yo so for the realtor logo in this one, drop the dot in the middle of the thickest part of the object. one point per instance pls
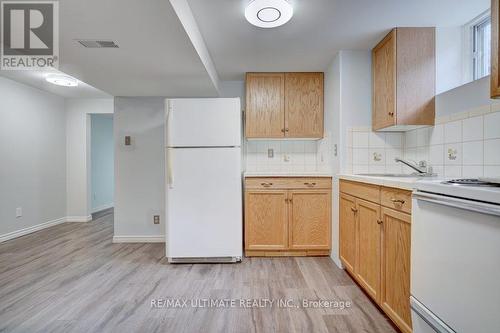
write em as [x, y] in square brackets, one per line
[30, 35]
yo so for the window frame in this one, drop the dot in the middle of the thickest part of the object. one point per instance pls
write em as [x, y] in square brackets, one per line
[468, 40]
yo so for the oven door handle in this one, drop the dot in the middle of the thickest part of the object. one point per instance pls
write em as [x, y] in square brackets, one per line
[430, 318]
[475, 206]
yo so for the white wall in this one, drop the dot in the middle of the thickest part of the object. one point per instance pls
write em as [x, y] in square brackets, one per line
[78, 177]
[102, 161]
[139, 168]
[450, 71]
[33, 162]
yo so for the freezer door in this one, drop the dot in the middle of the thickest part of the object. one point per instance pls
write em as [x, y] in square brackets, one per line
[204, 203]
[203, 122]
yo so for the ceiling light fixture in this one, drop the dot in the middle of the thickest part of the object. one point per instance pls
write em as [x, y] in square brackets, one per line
[268, 13]
[62, 80]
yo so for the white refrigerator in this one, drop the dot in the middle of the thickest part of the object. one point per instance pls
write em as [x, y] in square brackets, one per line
[204, 182]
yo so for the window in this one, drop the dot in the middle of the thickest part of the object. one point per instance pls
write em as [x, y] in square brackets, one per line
[481, 37]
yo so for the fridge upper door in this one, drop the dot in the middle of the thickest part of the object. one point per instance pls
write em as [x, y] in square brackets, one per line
[203, 122]
[204, 203]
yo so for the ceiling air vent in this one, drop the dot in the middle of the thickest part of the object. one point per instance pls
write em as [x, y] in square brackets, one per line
[97, 43]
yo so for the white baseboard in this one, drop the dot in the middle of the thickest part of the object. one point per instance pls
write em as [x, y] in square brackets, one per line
[103, 207]
[139, 239]
[29, 230]
[79, 218]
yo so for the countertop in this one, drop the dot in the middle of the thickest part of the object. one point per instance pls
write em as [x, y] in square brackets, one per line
[286, 174]
[405, 183]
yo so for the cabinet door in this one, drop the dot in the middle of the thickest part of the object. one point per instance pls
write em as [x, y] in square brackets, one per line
[304, 105]
[384, 82]
[495, 50]
[369, 230]
[266, 220]
[395, 293]
[310, 214]
[265, 109]
[347, 231]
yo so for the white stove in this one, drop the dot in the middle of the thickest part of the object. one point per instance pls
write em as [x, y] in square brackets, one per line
[455, 256]
[469, 189]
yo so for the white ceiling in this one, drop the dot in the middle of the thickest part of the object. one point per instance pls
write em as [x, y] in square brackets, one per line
[37, 79]
[155, 56]
[318, 29]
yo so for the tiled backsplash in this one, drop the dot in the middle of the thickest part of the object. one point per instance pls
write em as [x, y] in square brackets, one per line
[464, 145]
[288, 156]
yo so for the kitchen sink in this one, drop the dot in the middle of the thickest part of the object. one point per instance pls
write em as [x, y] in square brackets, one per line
[396, 175]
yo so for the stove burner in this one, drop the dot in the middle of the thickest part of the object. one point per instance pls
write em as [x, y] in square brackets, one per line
[470, 182]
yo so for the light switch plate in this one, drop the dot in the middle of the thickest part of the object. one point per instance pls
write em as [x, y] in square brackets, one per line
[19, 211]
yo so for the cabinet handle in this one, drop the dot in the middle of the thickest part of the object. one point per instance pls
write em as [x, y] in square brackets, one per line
[282, 130]
[286, 129]
[398, 201]
[310, 184]
[380, 221]
[266, 184]
[354, 210]
[391, 114]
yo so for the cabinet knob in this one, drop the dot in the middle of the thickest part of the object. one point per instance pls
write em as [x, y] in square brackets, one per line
[380, 221]
[354, 210]
[391, 114]
[286, 129]
[282, 130]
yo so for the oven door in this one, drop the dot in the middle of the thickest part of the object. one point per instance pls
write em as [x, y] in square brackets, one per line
[455, 262]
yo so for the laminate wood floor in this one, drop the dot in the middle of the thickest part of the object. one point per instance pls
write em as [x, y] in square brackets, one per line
[72, 278]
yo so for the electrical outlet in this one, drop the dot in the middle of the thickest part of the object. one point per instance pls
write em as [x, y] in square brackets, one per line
[270, 153]
[286, 157]
[19, 211]
[156, 219]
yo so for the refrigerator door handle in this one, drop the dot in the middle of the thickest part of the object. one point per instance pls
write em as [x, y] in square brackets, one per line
[170, 171]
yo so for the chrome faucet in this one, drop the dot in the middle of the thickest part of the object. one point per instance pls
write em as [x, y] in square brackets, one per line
[421, 168]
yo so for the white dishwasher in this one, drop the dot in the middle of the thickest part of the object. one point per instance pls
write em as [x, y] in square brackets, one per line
[455, 257]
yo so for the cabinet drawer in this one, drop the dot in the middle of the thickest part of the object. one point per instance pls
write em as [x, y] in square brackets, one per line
[361, 190]
[288, 183]
[396, 199]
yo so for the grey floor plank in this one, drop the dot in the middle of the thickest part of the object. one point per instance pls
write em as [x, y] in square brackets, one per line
[72, 278]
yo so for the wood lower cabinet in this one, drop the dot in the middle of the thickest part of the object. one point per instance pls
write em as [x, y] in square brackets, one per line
[368, 243]
[347, 231]
[310, 219]
[287, 216]
[375, 233]
[266, 224]
[396, 267]
[284, 105]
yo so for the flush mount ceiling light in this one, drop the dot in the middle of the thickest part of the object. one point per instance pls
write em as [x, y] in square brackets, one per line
[268, 13]
[62, 80]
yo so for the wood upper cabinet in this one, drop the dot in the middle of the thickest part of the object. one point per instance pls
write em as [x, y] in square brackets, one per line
[284, 105]
[495, 50]
[368, 255]
[395, 291]
[287, 216]
[347, 231]
[266, 220]
[304, 105]
[265, 108]
[404, 79]
[310, 219]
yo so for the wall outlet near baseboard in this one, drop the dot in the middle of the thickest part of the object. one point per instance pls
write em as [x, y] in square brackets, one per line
[156, 219]
[19, 211]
